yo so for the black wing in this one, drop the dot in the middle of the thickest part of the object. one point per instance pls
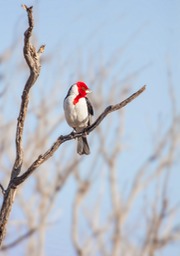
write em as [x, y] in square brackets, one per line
[69, 92]
[90, 108]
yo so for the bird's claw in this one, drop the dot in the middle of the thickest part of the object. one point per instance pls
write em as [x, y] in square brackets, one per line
[86, 132]
[72, 133]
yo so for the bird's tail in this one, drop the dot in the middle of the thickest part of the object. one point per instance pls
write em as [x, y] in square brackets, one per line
[82, 146]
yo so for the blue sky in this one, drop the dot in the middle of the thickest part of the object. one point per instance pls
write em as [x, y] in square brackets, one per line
[147, 33]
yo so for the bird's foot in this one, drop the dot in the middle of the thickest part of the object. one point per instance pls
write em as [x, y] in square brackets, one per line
[72, 133]
[86, 133]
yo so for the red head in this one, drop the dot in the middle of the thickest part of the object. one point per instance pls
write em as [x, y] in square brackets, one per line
[82, 89]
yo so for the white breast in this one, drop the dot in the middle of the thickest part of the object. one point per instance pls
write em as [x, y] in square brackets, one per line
[76, 115]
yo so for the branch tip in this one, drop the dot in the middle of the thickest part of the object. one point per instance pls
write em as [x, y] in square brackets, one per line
[24, 7]
[41, 49]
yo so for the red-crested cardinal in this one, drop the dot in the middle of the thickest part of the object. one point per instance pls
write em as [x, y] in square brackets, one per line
[78, 113]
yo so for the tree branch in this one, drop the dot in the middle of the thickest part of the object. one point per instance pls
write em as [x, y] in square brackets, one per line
[61, 139]
[113, 108]
[32, 58]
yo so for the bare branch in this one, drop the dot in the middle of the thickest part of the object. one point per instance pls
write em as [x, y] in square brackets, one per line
[113, 108]
[32, 59]
[61, 139]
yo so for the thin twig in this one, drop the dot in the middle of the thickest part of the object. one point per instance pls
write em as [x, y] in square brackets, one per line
[2, 189]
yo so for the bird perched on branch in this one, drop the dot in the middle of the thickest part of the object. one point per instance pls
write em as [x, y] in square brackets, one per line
[78, 113]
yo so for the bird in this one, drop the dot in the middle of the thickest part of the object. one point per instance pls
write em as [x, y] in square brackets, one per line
[78, 112]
